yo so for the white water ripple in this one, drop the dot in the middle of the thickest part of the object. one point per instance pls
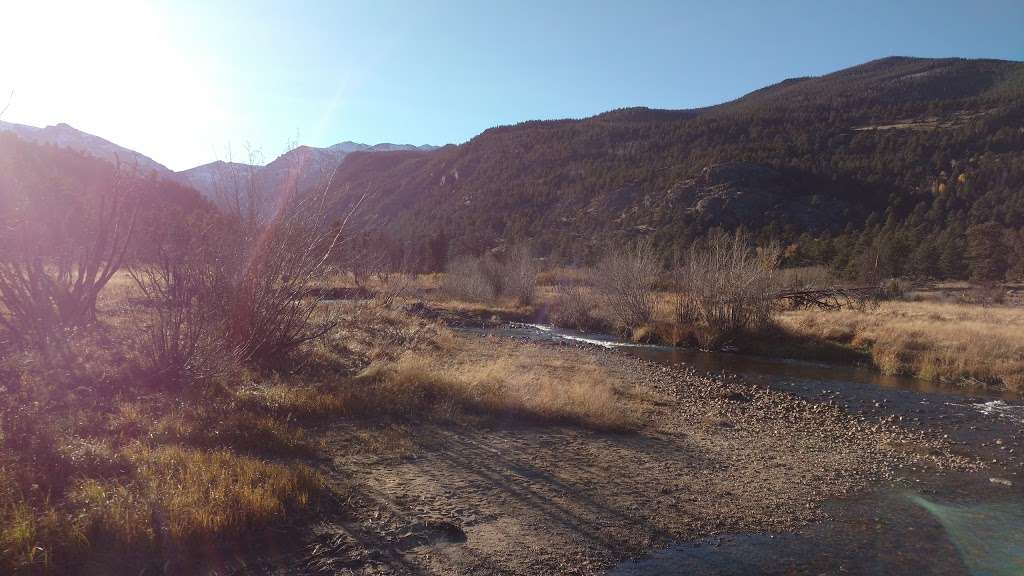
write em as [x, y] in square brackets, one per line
[999, 408]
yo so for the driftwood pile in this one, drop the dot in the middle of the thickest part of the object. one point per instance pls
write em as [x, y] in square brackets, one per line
[834, 298]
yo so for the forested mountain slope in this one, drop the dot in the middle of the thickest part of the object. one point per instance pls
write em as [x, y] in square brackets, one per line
[893, 165]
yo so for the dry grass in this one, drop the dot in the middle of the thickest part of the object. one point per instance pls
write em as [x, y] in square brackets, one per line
[189, 495]
[522, 382]
[98, 462]
[935, 341]
[463, 382]
[139, 500]
[99, 469]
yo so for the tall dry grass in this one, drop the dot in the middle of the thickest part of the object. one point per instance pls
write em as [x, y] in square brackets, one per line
[526, 383]
[184, 496]
[957, 343]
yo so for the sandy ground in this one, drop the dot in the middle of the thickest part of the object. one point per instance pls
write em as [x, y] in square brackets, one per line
[715, 455]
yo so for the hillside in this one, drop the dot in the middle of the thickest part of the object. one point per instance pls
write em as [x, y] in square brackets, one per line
[871, 162]
[42, 183]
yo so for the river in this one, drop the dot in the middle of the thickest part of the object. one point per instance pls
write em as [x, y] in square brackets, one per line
[949, 523]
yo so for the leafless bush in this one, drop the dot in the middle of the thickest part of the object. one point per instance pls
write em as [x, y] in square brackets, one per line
[625, 279]
[468, 277]
[520, 275]
[59, 248]
[393, 281]
[726, 287]
[574, 306]
[269, 272]
[273, 251]
[892, 289]
[488, 277]
[176, 280]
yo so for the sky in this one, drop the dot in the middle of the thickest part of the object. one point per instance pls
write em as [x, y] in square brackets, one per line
[189, 82]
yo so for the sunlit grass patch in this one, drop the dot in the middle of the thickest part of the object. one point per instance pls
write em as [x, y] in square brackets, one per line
[192, 495]
[294, 399]
[526, 383]
[933, 341]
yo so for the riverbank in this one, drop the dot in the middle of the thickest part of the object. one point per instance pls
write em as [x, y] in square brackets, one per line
[401, 446]
[968, 345]
[711, 455]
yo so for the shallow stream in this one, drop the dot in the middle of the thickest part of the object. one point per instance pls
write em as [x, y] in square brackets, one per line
[950, 523]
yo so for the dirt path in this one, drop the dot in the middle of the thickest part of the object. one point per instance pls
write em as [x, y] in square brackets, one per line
[713, 456]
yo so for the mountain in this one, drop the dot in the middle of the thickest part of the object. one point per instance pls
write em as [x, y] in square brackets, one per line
[300, 168]
[899, 166]
[64, 136]
[906, 151]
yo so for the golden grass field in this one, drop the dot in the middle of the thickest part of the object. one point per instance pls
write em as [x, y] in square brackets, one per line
[968, 344]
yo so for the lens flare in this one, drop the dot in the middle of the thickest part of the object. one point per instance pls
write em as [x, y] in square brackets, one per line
[989, 537]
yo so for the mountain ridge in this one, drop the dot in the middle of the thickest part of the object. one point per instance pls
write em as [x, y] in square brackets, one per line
[203, 177]
[898, 156]
[928, 144]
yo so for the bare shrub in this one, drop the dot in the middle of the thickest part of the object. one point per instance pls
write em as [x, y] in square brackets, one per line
[892, 289]
[59, 247]
[269, 274]
[520, 275]
[488, 277]
[726, 287]
[625, 279]
[574, 306]
[467, 277]
[273, 251]
[176, 279]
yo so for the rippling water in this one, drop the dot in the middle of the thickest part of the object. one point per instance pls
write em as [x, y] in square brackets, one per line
[1000, 408]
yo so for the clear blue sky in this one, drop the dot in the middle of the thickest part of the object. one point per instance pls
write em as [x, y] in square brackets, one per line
[182, 81]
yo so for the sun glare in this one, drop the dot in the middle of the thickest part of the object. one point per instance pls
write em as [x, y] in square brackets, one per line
[111, 67]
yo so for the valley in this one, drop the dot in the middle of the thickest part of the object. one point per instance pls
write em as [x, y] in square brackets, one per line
[783, 335]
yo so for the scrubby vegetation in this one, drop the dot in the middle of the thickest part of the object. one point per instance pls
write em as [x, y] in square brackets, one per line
[509, 275]
[727, 288]
[156, 388]
[124, 440]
